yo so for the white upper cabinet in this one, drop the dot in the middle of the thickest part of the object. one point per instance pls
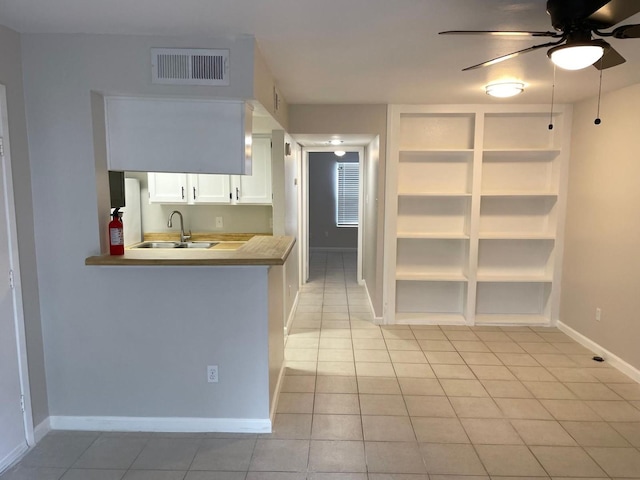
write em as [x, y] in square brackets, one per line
[256, 188]
[210, 188]
[178, 135]
[168, 188]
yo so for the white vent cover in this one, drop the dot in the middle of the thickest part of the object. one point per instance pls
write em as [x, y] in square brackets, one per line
[190, 66]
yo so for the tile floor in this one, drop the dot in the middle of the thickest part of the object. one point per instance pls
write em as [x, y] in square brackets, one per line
[360, 402]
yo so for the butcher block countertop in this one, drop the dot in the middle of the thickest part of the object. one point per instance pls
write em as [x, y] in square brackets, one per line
[237, 250]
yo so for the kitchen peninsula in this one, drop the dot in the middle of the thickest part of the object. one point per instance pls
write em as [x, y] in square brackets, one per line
[259, 250]
[183, 311]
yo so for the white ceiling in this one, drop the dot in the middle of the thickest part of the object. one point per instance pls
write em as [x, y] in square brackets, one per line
[351, 51]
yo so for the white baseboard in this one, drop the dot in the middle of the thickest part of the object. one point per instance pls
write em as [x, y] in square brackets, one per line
[611, 358]
[292, 313]
[376, 320]
[42, 429]
[12, 457]
[161, 424]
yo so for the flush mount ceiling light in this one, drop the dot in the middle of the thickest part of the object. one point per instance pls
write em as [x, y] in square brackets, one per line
[340, 153]
[577, 55]
[504, 89]
[335, 141]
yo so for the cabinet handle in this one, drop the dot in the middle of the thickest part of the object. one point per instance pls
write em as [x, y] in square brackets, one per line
[182, 192]
[237, 193]
[194, 193]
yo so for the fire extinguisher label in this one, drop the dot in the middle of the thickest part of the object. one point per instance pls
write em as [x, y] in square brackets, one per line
[116, 236]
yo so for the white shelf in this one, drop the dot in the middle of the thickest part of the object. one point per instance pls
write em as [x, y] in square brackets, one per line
[516, 236]
[515, 259]
[437, 151]
[518, 193]
[438, 217]
[518, 216]
[491, 319]
[431, 319]
[434, 194]
[420, 298]
[432, 236]
[526, 154]
[430, 276]
[513, 278]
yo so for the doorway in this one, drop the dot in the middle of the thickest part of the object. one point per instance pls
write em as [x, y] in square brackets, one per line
[15, 406]
[322, 224]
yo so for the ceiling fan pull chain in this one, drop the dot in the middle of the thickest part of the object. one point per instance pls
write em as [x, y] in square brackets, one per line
[553, 94]
[597, 121]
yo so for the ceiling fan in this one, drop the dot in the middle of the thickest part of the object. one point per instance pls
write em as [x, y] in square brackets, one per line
[576, 22]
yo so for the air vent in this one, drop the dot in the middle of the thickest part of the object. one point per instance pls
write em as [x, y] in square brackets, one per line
[190, 66]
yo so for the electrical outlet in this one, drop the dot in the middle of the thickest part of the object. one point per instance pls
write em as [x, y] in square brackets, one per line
[219, 223]
[212, 373]
[598, 314]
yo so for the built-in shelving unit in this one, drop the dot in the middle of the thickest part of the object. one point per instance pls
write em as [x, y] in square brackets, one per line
[475, 205]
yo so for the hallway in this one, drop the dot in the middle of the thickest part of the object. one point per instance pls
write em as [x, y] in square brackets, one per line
[359, 402]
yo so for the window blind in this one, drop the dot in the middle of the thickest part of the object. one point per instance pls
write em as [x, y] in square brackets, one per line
[347, 201]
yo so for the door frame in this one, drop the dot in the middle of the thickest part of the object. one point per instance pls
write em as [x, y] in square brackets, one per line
[14, 261]
[304, 207]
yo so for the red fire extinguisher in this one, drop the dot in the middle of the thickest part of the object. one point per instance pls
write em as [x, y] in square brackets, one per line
[116, 237]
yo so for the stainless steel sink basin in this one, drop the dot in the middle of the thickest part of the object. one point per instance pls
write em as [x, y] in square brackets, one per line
[158, 245]
[176, 245]
[197, 244]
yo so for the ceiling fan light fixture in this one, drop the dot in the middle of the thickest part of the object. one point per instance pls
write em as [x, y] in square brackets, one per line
[576, 56]
[504, 89]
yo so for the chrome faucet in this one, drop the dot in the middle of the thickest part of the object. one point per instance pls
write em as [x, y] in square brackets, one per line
[183, 237]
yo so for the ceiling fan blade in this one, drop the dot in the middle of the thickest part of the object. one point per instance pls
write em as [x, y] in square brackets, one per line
[511, 55]
[627, 31]
[613, 12]
[611, 58]
[502, 33]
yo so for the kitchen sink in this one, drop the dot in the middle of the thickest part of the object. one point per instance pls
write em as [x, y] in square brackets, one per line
[197, 244]
[157, 245]
[176, 245]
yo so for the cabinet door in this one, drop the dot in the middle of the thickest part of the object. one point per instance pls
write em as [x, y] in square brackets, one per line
[256, 188]
[167, 187]
[209, 188]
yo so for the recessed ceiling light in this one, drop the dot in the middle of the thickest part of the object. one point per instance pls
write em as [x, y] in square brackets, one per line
[504, 89]
[335, 141]
[340, 153]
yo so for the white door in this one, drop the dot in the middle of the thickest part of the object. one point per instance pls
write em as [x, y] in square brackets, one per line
[12, 428]
[167, 187]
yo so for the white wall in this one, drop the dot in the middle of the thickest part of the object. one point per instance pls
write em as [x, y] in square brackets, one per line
[370, 215]
[11, 77]
[201, 218]
[292, 165]
[601, 257]
[105, 329]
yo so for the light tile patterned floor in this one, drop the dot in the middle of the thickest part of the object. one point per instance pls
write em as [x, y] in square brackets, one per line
[360, 402]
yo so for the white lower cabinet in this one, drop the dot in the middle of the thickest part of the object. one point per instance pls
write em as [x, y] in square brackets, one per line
[208, 189]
